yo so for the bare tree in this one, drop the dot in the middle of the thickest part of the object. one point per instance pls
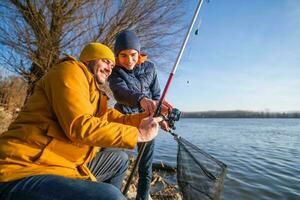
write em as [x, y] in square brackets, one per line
[35, 33]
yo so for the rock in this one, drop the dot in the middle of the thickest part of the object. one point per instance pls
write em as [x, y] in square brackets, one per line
[163, 167]
[161, 189]
[130, 195]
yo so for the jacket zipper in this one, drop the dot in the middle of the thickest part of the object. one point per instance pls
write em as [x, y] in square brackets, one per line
[138, 78]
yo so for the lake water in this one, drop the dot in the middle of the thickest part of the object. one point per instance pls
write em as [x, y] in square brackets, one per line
[262, 155]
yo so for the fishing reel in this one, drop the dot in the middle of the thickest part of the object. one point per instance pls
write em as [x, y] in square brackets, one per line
[172, 117]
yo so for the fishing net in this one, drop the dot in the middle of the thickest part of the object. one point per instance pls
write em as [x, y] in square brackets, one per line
[199, 175]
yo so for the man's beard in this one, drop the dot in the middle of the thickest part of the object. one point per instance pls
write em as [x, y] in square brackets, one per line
[91, 68]
[98, 80]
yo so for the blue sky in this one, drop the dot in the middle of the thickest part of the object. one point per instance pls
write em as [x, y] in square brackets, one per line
[246, 56]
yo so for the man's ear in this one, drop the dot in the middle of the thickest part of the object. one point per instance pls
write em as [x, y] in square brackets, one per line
[90, 65]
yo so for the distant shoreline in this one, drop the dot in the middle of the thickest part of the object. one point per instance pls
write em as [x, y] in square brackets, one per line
[240, 114]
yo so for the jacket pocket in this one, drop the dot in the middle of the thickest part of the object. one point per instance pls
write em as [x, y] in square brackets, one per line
[61, 151]
[49, 156]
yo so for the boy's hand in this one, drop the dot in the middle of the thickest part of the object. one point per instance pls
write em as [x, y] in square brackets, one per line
[166, 108]
[148, 105]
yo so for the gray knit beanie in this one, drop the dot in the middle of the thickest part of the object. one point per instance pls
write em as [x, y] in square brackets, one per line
[126, 40]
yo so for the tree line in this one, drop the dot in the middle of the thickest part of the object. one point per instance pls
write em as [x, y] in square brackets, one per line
[240, 114]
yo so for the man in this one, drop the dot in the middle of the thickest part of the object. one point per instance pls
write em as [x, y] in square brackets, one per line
[44, 153]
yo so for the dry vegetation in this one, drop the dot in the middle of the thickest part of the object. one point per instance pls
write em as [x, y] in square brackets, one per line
[12, 96]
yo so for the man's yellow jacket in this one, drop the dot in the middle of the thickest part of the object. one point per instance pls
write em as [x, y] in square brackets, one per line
[62, 126]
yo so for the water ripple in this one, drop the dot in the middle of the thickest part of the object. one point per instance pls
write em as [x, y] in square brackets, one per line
[262, 154]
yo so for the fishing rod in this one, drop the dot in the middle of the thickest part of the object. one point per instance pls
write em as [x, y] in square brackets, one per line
[162, 98]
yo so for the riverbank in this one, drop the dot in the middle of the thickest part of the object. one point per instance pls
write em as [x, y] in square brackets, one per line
[161, 188]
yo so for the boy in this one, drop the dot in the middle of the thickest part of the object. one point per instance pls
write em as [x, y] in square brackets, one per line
[136, 89]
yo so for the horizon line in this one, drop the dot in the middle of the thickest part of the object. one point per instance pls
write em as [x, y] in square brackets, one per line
[239, 110]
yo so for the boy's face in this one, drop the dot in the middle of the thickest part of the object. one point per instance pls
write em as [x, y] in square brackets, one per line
[128, 58]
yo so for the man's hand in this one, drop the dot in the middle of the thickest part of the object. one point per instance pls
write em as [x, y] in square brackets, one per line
[148, 129]
[148, 105]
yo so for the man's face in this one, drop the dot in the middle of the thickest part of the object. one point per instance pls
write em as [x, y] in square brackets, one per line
[128, 58]
[101, 69]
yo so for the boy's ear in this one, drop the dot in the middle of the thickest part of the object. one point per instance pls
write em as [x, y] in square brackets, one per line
[142, 58]
[117, 61]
